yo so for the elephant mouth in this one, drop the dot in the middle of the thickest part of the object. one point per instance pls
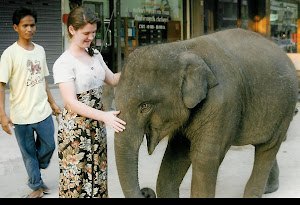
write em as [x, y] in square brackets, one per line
[154, 136]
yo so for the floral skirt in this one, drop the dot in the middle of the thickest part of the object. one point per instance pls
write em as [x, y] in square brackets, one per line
[82, 152]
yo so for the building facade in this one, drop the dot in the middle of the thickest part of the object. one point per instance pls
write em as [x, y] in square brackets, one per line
[275, 19]
[126, 25]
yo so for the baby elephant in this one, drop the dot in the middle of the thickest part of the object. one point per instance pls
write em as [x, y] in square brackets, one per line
[233, 87]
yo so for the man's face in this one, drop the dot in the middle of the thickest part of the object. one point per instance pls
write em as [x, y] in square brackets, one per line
[26, 28]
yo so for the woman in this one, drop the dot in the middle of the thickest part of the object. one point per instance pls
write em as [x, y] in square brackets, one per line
[80, 72]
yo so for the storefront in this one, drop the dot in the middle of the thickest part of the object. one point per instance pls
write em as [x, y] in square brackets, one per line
[208, 16]
[151, 22]
[220, 14]
[275, 19]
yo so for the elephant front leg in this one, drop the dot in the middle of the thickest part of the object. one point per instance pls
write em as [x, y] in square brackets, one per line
[206, 159]
[204, 177]
[175, 164]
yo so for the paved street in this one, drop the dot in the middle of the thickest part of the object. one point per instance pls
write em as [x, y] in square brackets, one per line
[233, 174]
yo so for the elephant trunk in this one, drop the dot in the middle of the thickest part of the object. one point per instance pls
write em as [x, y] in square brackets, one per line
[126, 151]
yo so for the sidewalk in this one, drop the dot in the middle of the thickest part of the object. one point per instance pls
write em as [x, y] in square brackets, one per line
[233, 174]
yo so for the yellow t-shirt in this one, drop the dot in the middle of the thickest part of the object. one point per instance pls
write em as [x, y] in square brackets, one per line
[26, 71]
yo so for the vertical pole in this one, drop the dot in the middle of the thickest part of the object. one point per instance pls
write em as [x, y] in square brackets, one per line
[239, 13]
[298, 33]
[188, 19]
[112, 50]
[119, 55]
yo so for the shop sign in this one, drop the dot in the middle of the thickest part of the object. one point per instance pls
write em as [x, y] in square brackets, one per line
[152, 26]
[152, 12]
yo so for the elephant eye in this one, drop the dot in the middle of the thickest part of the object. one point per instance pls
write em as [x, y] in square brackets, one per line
[145, 108]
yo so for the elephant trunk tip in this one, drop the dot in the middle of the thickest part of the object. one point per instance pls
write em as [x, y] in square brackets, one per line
[148, 193]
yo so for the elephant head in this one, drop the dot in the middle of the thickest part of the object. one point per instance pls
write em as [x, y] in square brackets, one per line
[159, 87]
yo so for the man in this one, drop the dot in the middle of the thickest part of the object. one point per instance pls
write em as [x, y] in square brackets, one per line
[23, 65]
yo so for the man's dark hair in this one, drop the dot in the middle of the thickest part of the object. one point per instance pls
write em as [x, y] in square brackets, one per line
[21, 13]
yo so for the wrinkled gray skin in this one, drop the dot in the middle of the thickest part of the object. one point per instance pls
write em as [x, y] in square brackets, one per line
[233, 87]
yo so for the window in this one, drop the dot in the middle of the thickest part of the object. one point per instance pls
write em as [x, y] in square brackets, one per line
[283, 20]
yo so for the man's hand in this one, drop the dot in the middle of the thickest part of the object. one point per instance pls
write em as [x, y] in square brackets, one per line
[4, 119]
[55, 109]
[5, 122]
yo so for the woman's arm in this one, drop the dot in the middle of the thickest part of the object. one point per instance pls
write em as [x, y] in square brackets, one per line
[111, 78]
[68, 93]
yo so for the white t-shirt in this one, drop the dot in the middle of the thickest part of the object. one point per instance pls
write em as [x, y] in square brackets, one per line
[67, 68]
[26, 71]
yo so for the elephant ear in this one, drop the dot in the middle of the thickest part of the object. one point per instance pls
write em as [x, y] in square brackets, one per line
[197, 79]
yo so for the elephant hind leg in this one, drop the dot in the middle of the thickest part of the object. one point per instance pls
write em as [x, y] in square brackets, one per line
[265, 171]
[175, 164]
[273, 180]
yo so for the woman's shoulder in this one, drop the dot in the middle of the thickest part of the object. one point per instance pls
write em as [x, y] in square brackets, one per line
[64, 58]
[64, 61]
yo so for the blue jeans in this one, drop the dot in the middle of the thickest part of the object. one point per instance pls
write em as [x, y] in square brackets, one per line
[36, 151]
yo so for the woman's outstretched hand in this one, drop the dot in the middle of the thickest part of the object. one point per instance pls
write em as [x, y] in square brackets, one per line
[110, 118]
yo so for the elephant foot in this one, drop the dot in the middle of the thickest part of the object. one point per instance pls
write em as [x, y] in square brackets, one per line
[271, 188]
[273, 183]
[148, 193]
[273, 180]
